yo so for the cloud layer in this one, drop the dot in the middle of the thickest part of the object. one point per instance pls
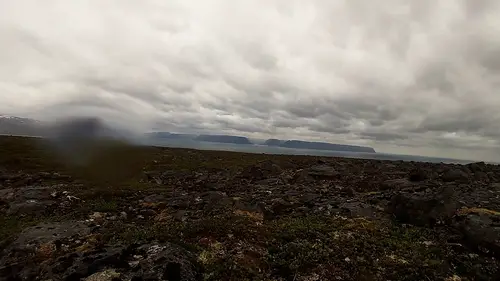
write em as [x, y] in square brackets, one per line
[403, 76]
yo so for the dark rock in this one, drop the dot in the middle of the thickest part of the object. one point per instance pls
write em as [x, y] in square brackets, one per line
[348, 191]
[262, 170]
[148, 213]
[303, 209]
[455, 175]
[481, 231]
[279, 205]
[154, 198]
[25, 248]
[180, 215]
[323, 172]
[270, 181]
[357, 209]
[214, 196]
[167, 262]
[301, 176]
[423, 208]
[309, 198]
[417, 175]
[30, 207]
[476, 167]
[397, 184]
[48, 232]
[28, 200]
[145, 262]
[86, 264]
[481, 176]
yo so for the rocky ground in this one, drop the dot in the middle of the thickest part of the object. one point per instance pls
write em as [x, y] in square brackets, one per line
[131, 213]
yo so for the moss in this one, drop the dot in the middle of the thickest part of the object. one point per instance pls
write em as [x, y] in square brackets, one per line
[10, 226]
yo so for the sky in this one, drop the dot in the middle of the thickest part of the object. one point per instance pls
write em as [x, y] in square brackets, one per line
[403, 76]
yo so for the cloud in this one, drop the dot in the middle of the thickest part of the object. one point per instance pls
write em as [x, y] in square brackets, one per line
[403, 76]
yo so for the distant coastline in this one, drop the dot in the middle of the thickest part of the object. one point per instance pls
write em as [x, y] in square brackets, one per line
[294, 144]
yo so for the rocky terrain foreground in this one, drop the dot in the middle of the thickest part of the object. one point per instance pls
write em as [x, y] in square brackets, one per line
[116, 212]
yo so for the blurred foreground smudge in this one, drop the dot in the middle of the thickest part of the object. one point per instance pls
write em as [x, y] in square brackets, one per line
[95, 152]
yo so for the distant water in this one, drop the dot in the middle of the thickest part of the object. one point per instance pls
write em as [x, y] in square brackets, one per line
[256, 148]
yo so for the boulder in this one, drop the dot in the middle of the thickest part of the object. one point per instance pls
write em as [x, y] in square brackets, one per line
[397, 184]
[424, 208]
[323, 172]
[480, 229]
[28, 200]
[357, 209]
[455, 175]
[417, 175]
[21, 259]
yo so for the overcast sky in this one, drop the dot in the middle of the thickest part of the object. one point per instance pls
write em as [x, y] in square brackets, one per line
[415, 77]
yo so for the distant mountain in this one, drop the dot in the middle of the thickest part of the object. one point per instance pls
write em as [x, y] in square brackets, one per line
[168, 135]
[273, 142]
[223, 139]
[11, 125]
[297, 144]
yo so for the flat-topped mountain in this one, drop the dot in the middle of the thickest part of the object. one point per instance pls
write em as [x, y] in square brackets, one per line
[223, 139]
[298, 144]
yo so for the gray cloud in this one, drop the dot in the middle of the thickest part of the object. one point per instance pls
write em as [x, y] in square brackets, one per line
[407, 76]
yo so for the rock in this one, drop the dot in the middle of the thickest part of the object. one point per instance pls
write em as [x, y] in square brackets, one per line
[423, 208]
[29, 207]
[301, 176]
[97, 216]
[303, 209]
[481, 176]
[123, 215]
[417, 175]
[348, 191]
[27, 201]
[309, 198]
[35, 243]
[480, 230]
[280, 205]
[455, 175]
[262, 171]
[397, 184]
[213, 197]
[476, 167]
[215, 200]
[180, 215]
[270, 181]
[167, 262]
[148, 213]
[76, 266]
[154, 198]
[323, 172]
[134, 262]
[164, 216]
[106, 275]
[357, 209]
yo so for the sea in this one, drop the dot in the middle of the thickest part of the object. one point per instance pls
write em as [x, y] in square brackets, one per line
[264, 149]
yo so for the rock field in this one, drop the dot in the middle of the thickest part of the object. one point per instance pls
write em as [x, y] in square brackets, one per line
[146, 213]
